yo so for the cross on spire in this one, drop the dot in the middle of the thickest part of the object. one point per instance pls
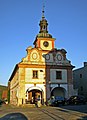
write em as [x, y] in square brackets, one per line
[43, 11]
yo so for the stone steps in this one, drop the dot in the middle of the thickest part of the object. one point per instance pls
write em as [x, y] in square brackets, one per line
[28, 105]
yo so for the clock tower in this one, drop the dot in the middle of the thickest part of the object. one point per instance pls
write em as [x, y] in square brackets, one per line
[44, 73]
[44, 40]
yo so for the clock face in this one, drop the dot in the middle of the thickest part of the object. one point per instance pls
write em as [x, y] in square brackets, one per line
[59, 57]
[47, 57]
[45, 43]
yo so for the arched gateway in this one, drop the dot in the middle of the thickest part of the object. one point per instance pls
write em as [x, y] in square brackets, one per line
[58, 91]
[34, 93]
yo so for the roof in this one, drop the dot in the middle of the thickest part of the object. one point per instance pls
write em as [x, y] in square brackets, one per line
[14, 71]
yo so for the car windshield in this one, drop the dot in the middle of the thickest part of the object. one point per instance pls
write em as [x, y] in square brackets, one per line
[59, 98]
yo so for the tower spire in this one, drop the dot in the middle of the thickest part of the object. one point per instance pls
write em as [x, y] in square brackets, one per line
[43, 26]
[43, 11]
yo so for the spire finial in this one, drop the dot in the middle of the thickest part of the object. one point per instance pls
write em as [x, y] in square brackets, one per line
[43, 11]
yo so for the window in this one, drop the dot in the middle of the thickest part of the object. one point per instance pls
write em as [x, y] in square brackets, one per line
[41, 70]
[35, 74]
[81, 88]
[80, 75]
[58, 74]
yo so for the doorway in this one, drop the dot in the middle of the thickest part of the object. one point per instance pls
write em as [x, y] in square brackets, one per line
[33, 95]
[58, 91]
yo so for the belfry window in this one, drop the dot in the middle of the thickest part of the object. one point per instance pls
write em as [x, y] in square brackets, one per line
[43, 28]
[58, 74]
[35, 74]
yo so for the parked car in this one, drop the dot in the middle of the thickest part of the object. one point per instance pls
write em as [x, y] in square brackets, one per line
[57, 101]
[76, 99]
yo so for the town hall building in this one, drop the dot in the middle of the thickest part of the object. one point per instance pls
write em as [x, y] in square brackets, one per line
[43, 73]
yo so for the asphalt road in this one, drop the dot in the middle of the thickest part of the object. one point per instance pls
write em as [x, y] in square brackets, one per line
[76, 112]
[79, 108]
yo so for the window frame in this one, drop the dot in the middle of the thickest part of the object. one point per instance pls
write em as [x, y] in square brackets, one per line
[59, 75]
[35, 74]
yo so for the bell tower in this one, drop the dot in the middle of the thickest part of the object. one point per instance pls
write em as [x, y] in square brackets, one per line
[43, 24]
[44, 40]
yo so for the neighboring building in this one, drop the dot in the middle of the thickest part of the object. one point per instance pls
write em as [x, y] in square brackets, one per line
[43, 73]
[3, 92]
[80, 80]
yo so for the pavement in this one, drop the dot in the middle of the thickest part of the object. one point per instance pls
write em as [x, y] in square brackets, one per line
[9, 112]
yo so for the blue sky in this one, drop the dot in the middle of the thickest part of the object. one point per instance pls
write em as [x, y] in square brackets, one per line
[19, 25]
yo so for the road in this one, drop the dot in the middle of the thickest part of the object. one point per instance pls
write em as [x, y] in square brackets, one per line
[79, 108]
[8, 112]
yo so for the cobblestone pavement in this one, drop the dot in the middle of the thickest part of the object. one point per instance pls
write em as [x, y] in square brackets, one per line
[8, 112]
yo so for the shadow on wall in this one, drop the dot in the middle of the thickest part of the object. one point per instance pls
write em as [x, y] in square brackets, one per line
[14, 116]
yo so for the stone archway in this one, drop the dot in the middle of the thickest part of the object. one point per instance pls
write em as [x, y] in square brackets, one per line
[58, 91]
[34, 93]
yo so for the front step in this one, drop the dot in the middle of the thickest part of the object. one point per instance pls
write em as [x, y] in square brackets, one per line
[28, 105]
